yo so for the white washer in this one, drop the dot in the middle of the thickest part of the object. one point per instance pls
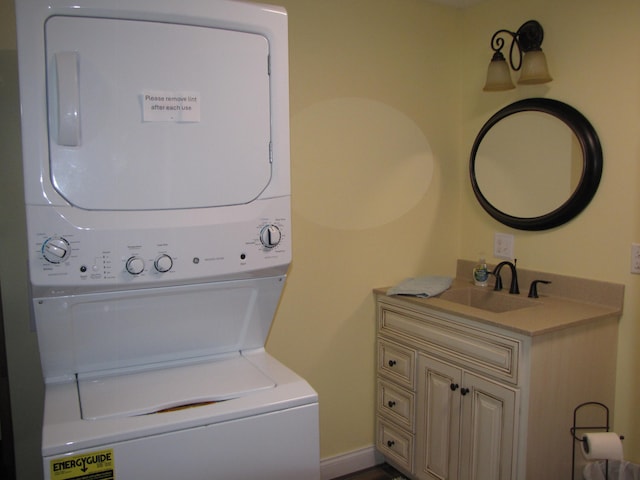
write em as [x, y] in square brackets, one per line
[172, 382]
[156, 161]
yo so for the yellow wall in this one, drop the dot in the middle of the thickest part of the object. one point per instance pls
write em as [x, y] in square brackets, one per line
[385, 102]
[373, 99]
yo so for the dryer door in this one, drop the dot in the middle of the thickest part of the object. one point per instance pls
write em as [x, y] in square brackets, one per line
[149, 116]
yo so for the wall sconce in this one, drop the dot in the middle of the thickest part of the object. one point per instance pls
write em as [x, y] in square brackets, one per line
[531, 59]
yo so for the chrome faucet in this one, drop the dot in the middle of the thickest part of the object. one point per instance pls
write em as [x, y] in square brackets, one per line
[514, 276]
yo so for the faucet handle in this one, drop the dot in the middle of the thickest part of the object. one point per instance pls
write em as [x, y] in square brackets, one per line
[533, 289]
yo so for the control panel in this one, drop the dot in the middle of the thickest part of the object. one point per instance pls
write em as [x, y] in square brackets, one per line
[70, 260]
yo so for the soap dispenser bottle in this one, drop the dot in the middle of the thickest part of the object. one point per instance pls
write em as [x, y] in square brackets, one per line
[481, 274]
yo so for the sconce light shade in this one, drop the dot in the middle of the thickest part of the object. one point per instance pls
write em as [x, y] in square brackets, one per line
[498, 75]
[534, 68]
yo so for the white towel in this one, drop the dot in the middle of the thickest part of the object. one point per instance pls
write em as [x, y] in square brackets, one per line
[422, 286]
[618, 470]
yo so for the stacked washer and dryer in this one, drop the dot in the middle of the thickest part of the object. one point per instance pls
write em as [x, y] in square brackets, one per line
[156, 163]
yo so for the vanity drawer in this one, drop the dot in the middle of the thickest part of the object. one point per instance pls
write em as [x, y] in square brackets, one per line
[480, 350]
[394, 443]
[397, 363]
[397, 404]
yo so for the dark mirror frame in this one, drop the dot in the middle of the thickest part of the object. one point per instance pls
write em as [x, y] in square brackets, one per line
[591, 164]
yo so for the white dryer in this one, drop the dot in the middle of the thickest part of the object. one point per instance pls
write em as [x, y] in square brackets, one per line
[156, 162]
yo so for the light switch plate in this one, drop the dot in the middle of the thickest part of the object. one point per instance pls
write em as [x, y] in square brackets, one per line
[503, 246]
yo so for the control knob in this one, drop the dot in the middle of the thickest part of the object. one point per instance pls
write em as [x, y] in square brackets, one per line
[56, 249]
[135, 265]
[270, 236]
[163, 263]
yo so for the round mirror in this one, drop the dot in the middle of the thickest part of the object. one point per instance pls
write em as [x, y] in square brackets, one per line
[536, 164]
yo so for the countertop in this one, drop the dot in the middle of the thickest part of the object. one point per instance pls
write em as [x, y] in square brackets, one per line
[567, 302]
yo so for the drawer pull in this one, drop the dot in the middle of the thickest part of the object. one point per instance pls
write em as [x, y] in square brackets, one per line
[464, 391]
[390, 443]
[392, 363]
[454, 387]
[391, 403]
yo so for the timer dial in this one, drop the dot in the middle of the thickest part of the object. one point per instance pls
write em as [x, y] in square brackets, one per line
[135, 265]
[163, 263]
[56, 249]
[270, 236]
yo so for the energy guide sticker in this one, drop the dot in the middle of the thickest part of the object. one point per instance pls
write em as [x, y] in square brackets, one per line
[98, 465]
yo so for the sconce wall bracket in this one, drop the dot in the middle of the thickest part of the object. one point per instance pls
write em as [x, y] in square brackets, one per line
[528, 38]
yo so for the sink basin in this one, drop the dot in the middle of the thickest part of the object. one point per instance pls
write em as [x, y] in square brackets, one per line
[486, 299]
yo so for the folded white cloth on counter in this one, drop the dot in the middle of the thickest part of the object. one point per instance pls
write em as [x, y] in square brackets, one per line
[428, 286]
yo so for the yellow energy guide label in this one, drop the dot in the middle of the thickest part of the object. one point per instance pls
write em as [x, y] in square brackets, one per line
[98, 465]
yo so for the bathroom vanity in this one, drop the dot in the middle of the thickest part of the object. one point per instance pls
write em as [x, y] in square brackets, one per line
[476, 384]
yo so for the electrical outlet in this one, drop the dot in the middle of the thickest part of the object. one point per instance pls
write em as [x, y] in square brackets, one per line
[503, 246]
[635, 258]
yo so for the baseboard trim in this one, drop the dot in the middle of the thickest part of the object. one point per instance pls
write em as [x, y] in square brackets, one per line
[349, 462]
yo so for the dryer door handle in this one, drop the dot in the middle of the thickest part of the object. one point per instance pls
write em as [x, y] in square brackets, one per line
[68, 99]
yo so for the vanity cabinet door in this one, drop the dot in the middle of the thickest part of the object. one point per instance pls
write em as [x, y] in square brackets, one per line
[438, 419]
[488, 439]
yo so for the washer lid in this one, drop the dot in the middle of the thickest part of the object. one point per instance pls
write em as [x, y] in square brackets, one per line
[150, 116]
[127, 330]
[157, 391]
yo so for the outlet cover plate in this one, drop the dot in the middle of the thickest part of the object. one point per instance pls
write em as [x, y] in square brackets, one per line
[635, 258]
[503, 246]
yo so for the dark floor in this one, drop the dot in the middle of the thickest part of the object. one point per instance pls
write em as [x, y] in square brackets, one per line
[379, 472]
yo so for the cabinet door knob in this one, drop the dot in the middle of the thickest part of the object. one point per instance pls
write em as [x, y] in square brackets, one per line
[464, 391]
[390, 443]
[392, 363]
[391, 403]
[454, 387]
